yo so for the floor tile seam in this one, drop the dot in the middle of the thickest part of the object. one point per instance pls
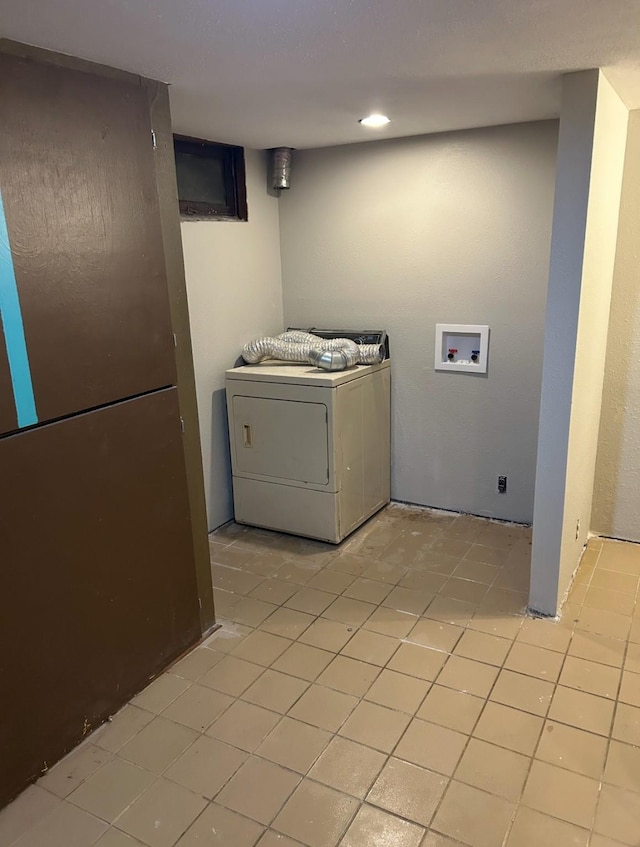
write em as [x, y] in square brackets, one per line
[227, 780]
[306, 776]
[113, 752]
[217, 588]
[431, 827]
[519, 805]
[389, 755]
[480, 582]
[212, 538]
[111, 755]
[303, 775]
[555, 681]
[500, 668]
[288, 796]
[173, 843]
[612, 698]
[595, 661]
[403, 818]
[609, 738]
[601, 568]
[604, 567]
[266, 579]
[228, 694]
[388, 758]
[325, 685]
[217, 717]
[212, 803]
[466, 558]
[347, 623]
[156, 779]
[353, 632]
[564, 767]
[417, 617]
[384, 665]
[589, 828]
[551, 699]
[520, 617]
[39, 821]
[350, 586]
[166, 706]
[464, 750]
[372, 683]
[534, 748]
[476, 603]
[455, 778]
[281, 715]
[394, 709]
[581, 728]
[381, 604]
[583, 605]
[236, 569]
[525, 782]
[343, 831]
[288, 714]
[535, 758]
[161, 773]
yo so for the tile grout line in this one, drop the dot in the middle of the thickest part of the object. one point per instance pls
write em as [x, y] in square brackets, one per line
[432, 682]
[465, 627]
[615, 709]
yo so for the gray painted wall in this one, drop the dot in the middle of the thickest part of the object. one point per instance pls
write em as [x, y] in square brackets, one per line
[235, 293]
[617, 486]
[404, 234]
[593, 127]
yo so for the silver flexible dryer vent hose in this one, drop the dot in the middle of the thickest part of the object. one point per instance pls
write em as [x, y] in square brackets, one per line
[335, 354]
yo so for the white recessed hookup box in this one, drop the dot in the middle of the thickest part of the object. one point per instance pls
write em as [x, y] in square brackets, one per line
[461, 347]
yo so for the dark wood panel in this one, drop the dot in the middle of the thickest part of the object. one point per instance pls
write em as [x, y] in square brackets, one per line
[78, 182]
[97, 574]
[165, 165]
[8, 417]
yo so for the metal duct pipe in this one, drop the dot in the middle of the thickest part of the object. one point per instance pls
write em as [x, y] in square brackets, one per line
[329, 360]
[281, 167]
[298, 346]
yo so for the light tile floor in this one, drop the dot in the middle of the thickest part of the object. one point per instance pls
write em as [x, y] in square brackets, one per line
[387, 692]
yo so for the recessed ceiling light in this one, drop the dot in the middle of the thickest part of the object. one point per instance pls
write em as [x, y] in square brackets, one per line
[375, 121]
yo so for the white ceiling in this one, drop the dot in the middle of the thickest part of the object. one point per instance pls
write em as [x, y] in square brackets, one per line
[299, 73]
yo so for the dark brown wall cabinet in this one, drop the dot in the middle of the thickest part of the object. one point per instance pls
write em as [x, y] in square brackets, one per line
[97, 561]
[78, 185]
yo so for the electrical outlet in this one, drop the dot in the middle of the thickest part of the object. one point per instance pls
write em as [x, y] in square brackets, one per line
[577, 529]
[502, 485]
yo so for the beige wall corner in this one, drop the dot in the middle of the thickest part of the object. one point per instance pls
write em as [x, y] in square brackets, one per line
[235, 294]
[593, 130]
[616, 495]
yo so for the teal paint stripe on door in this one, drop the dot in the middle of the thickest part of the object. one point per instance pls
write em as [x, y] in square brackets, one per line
[11, 316]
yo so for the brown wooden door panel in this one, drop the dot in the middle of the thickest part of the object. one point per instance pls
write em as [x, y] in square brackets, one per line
[8, 417]
[77, 179]
[97, 574]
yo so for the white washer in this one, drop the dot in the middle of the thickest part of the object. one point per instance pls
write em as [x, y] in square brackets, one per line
[310, 449]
